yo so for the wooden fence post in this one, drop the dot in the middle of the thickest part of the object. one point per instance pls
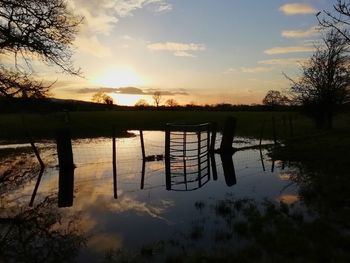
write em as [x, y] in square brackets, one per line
[228, 135]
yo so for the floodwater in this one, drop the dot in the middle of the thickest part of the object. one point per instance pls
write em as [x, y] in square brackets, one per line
[145, 208]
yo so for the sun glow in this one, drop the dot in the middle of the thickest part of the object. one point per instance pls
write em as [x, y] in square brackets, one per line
[119, 78]
[128, 99]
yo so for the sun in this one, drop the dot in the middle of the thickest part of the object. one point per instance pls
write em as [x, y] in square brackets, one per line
[119, 78]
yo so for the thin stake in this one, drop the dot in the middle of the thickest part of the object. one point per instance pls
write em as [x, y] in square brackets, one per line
[114, 160]
[142, 145]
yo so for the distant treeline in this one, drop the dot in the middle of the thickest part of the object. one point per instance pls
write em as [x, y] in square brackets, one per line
[46, 105]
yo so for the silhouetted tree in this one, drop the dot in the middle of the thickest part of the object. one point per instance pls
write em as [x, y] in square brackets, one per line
[324, 84]
[275, 98]
[101, 97]
[33, 29]
[141, 103]
[157, 97]
[20, 84]
[338, 19]
[171, 103]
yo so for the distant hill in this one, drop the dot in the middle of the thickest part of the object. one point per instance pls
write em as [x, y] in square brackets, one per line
[15, 105]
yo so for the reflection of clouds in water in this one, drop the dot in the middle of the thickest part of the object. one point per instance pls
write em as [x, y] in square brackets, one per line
[284, 176]
[156, 166]
[127, 203]
[104, 242]
[288, 198]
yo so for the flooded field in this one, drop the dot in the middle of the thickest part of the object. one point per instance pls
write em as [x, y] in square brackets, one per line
[141, 207]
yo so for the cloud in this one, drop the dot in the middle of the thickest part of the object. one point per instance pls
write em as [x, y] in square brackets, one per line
[92, 46]
[297, 9]
[299, 33]
[130, 90]
[178, 49]
[283, 61]
[255, 69]
[291, 49]
[101, 16]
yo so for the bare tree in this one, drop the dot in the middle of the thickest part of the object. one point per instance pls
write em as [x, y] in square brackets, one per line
[40, 29]
[19, 84]
[157, 97]
[172, 103]
[338, 19]
[275, 98]
[324, 84]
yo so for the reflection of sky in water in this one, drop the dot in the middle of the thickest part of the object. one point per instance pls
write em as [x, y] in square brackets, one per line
[142, 216]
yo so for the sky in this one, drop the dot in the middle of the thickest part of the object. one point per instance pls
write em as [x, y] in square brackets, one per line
[193, 51]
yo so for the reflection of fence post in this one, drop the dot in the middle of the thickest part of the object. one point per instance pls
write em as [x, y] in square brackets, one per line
[228, 134]
[274, 130]
[208, 150]
[142, 145]
[143, 174]
[229, 169]
[114, 159]
[213, 166]
[36, 186]
[213, 136]
[199, 158]
[262, 160]
[66, 168]
[167, 158]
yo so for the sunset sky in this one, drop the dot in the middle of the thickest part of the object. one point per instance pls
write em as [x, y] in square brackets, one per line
[200, 51]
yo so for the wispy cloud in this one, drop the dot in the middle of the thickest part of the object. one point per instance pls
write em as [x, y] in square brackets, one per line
[248, 70]
[131, 91]
[178, 49]
[298, 9]
[300, 33]
[283, 61]
[286, 50]
[255, 69]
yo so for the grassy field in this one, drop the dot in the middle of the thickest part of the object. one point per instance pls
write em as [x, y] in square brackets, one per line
[93, 124]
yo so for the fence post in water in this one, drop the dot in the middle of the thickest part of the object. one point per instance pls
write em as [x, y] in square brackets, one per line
[262, 131]
[114, 159]
[199, 144]
[66, 168]
[64, 149]
[227, 136]
[274, 130]
[284, 123]
[142, 145]
[167, 158]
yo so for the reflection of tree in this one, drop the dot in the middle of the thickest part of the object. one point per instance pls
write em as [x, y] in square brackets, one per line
[15, 171]
[39, 235]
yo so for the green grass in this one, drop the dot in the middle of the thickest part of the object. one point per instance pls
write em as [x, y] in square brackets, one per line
[92, 124]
